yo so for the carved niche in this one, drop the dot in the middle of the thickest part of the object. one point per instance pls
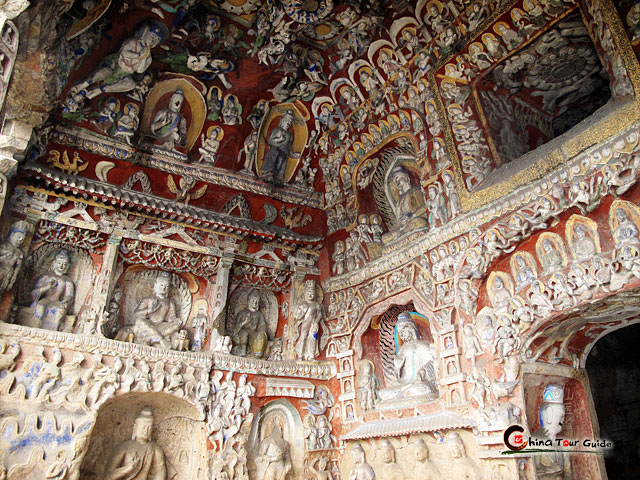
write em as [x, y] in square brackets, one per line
[53, 287]
[266, 308]
[153, 317]
[176, 430]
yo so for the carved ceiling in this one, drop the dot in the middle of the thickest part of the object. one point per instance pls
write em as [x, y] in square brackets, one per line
[354, 79]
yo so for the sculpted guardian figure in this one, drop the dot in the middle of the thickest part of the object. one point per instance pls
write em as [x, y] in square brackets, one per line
[551, 465]
[408, 207]
[250, 329]
[279, 142]
[414, 364]
[53, 293]
[155, 319]
[11, 256]
[308, 317]
[139, 458]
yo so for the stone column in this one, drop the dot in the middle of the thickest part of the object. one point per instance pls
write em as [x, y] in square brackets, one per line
[220, 294]
[297, 284]
[104, 287]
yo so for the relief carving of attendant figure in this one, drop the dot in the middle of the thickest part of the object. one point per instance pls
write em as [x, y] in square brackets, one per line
[308, 317]
[11, 256]
[155, 318]
[53, 293]
[279, 142]
[414, 363]
[408, 206]
[169, 125]
[551, 465]
[139, 458]
[367, 387]
[274, 460]
[250, 329]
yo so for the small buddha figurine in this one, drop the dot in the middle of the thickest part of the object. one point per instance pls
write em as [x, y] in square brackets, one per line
[360, 470]
[250, 330]
[551, 258]
[627, 231]
[53, 293]
[408, 206]
[139, 458]
[169, 125]
[414, 364]
[155, 319]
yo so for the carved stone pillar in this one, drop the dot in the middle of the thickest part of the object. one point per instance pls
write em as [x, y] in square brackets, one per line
[297, 282]
[104, 285]
[220, 294]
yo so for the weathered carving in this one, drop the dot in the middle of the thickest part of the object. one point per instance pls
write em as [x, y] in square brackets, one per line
[273, 460]
[407, 204]
[309, 320]
[551, 464]
[414, 364]
[11, 256]
[157, 316]
[53, 293]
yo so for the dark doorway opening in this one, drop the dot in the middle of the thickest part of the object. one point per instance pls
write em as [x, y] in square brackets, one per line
[613, 367]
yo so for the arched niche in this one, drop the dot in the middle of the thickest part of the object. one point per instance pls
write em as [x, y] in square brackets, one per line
[285, 413]
[176, 430]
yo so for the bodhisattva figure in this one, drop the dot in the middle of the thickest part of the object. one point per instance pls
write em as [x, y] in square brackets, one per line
[139, 458]
[408, 207]
[367, 387]
[169, 125]
[279, 142]
[627, 231]
[551, 465]
[360, 470]
[459, 465]
[11, 256]
[53, 293]
[584, 248]
[274, 460]
[424, 468]
[155, 319]
[551, 258]
[414, 364]
[117, 71]
[308, 317]
[250, 329]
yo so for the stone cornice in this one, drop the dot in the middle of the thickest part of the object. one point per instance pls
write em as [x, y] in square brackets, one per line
[148, 204]
[97, 344]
